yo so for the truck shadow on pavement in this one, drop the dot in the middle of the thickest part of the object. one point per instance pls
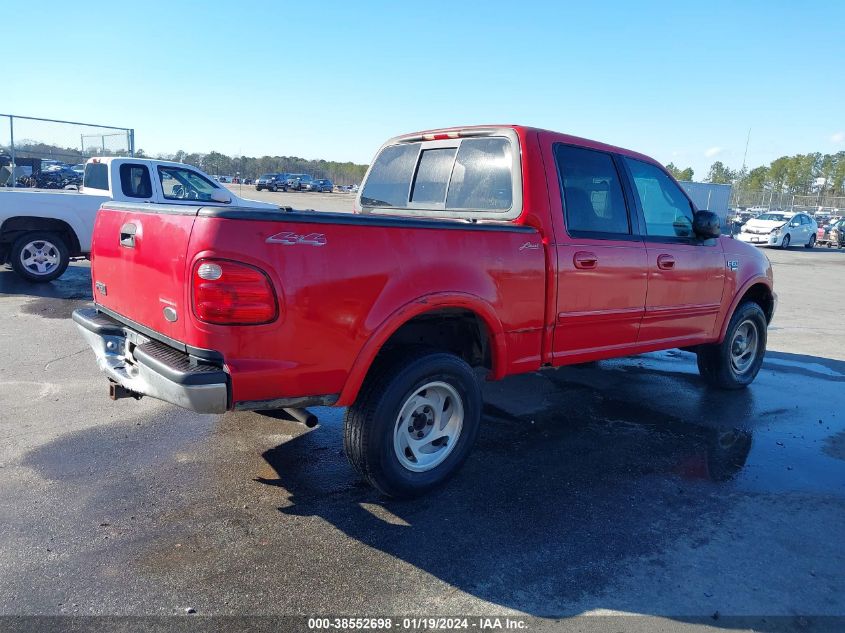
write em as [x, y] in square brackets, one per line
[74, 284]
[626, 485]
[55, 299]
[582, 481]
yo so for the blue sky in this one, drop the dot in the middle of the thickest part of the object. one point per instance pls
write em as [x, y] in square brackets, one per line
[333, 80]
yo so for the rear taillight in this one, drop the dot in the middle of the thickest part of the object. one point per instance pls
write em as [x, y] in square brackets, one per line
[232, 293]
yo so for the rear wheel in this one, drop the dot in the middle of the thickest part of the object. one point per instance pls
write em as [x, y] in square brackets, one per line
[40, 256]
[414, 422]
[735, 362]
[811, 243]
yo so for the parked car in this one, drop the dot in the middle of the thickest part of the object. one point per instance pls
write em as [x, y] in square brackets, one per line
[56, 178]
[780, 229]
[271, 182]
[40, 231]
[320, 185]
[298, 182]
[499, 250]
[832, 235]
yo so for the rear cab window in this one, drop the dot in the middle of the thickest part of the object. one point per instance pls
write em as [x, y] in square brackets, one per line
[96, 176]
[475, 177]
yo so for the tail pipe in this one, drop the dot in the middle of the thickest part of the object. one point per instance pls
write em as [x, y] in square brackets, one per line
[302, 415]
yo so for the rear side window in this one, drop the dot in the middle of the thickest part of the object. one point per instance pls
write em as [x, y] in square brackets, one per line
[471, 174]
[135, 181]
[96, 176]
[666, 209]
[593, 202]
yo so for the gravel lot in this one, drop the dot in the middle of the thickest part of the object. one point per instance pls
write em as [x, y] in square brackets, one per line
[620, 487]
[340, 202]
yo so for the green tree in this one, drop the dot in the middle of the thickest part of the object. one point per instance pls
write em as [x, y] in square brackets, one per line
[721, 174]
[680, 174]
[686, 174]
[757, 179]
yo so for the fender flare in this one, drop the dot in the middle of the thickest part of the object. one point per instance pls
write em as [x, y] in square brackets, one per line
[759, 279]
[421, 305]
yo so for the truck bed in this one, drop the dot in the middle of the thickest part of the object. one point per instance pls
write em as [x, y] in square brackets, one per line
[339, 279]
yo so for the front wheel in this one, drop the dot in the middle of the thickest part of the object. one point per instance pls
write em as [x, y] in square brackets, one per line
[785, 243]
[414, 422]
[735, 362]
[40, 256]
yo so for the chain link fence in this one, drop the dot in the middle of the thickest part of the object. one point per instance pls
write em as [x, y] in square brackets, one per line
[786, 201]
[32, 145]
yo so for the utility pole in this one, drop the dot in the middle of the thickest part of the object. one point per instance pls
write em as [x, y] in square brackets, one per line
[745, 155]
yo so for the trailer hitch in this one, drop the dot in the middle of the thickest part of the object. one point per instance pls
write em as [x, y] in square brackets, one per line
[116, 392]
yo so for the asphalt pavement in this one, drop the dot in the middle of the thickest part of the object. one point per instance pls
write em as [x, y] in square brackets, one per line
[621, 487]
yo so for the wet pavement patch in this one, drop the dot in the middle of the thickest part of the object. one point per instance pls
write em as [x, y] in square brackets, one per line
[54, 308]
[581, 478]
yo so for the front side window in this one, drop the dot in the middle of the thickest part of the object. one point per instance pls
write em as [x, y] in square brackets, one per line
[184, 184]
[667, 211]
[471, 174]
[135, 181]
[592, 193]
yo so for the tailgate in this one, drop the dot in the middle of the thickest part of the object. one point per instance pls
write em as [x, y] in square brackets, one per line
[138, 264]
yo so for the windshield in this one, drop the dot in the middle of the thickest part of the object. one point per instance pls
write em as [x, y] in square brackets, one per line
[266, 177]
[778, 217]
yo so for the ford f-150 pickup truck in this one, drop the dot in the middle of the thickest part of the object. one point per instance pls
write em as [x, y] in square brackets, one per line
[499, 249]
[40, 231]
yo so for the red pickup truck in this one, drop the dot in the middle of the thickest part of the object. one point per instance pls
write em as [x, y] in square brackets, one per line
[473, 251]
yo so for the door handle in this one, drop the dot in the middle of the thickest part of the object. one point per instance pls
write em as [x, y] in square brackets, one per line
[127, 235]
[585, 260]
[665, 262]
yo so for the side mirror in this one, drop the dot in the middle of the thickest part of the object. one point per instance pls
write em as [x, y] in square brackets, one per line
[218, 195]
[706, 225]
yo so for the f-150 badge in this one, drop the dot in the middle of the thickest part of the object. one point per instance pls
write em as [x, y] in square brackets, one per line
[292, 239]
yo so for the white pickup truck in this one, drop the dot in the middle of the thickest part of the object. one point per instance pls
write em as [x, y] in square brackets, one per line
[40, 231]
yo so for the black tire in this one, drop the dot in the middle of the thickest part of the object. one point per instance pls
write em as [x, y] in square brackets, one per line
[371, 423]
[811, 243]
[785, 243]
[715, 361]
[259, 188]
[53, 242]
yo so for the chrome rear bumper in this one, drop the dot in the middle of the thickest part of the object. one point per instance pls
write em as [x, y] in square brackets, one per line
[147, 367]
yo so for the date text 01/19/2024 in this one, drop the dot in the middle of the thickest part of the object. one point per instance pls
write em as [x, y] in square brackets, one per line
[417, 623]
